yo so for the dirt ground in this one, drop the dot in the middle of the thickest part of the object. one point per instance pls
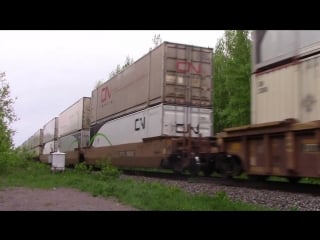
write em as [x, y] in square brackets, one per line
[56, 199]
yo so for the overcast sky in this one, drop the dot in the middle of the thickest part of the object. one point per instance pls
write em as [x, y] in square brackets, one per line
[48, 71]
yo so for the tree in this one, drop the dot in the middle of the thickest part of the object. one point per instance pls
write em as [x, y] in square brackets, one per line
[7, 115]
[98, 83]
[127, 62]
[156, 40]
[231, 80]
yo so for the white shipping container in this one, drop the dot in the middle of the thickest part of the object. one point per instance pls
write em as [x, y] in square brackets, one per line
[50, 130]
[271, 46]
[50, 147]
[291, 91]
[36, 139]
[309, 89]
[74, 140]
[161, 120]
[75, 118]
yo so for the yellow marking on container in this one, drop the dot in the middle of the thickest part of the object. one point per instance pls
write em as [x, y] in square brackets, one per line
[234, 147]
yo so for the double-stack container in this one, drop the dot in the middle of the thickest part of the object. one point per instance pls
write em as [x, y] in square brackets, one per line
[136, 114]
[286, 79]
[50, 139]
[74, 129]
[173, 74]
[35, 142]
[158, 95]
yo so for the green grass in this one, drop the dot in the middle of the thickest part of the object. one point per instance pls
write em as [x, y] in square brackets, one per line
[139, 194]
[305, 180]
[310, 180]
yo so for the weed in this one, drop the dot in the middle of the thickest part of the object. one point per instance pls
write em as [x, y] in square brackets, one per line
[107, 169]
[83, 168]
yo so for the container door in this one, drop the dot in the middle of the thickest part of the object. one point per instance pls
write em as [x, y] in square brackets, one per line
[188, 72]
[177, 118]
[309, 77]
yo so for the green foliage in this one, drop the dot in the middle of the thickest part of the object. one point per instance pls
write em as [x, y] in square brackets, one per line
[231, 80]
[157, 40]
[140, 194]
[127, 62]
[83, 168]
[13, 159]
[221, 196]
[156, 196]
[293, 208]
[310, 180]
[5, 137]
[98, 83]
[7, 115]
[107, 169]
[25, 154]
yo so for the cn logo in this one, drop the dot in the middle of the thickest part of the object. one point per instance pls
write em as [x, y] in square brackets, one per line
[184, 67]
[105, 95]
[139, 123]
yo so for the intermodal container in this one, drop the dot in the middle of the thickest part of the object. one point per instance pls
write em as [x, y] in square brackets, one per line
[75, 118]
[172, 73]
[156, 121]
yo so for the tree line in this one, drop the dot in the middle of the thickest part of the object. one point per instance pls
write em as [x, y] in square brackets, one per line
[231, 80]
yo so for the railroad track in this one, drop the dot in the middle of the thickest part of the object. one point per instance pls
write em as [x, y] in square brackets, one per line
[311, 189]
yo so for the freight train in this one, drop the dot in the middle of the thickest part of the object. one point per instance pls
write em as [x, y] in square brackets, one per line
[157, 113]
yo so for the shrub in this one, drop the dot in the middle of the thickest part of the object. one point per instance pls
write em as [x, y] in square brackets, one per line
[10, 160]
[107, 169]
[83, 167]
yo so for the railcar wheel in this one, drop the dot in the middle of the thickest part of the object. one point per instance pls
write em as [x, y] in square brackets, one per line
[177, 168]
[228, 166]
[236, 166]
[194, 168]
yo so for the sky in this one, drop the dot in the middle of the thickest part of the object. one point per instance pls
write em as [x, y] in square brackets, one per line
[49, 70]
